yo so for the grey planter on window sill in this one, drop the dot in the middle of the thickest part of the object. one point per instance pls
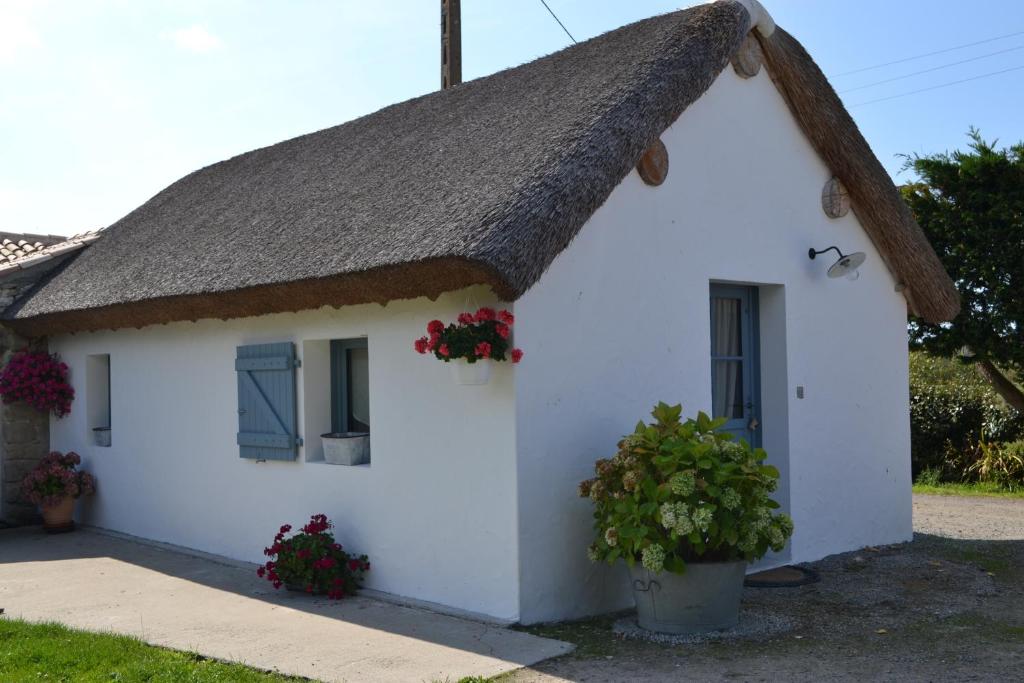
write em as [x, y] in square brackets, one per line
[346, 448]
[101, 436]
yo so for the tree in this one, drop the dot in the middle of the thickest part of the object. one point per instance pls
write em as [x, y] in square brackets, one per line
[971, 205]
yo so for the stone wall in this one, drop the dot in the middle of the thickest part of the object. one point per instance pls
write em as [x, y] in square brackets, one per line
[24, 439]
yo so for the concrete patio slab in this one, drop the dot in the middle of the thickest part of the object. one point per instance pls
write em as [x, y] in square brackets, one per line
[99, 582]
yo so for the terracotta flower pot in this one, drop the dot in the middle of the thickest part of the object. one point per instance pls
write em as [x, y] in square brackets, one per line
[58, 518]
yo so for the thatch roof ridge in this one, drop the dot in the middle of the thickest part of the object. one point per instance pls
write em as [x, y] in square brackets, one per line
[484, 183]
[874, 198]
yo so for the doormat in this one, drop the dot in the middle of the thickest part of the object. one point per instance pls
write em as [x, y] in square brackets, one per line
[789, 576]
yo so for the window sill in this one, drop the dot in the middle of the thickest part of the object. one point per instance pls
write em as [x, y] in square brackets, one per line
[364, 466]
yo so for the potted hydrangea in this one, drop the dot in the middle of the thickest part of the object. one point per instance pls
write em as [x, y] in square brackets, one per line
[313, 562]
[53, 485]
[471, 343]
[687, 507]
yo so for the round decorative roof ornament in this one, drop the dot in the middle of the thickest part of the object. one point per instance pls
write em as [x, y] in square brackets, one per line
[747, 60]
[835, 200]
[653, 165]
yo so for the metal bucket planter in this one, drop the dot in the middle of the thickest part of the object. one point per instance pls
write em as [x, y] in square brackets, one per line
[476, 373]
[346, 448]
[705, 598]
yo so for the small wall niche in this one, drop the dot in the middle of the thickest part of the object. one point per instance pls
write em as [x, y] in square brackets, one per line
[97, 398]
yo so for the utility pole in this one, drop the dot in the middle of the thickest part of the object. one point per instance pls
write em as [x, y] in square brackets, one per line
[451, 43]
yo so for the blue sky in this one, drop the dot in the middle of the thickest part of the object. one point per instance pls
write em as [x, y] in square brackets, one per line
[105, 102]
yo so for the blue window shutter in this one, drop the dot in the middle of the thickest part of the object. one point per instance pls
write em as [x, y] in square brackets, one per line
[267, 415]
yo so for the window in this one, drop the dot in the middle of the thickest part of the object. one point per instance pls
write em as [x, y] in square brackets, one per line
[735, 366]
[350, 386]
[97, 401]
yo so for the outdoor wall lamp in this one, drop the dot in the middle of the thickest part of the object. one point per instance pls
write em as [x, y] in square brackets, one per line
[845, 265]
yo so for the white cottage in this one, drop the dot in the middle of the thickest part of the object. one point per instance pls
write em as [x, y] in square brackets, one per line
[644, 202]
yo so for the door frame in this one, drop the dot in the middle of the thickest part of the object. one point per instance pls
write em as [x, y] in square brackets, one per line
[750, 342]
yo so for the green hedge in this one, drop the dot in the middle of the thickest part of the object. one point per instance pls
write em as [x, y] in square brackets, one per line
[951, 407]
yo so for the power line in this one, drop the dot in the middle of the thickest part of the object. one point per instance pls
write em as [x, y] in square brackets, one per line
[936, 87]
[550, 11]
[927, 54]
[936, 68]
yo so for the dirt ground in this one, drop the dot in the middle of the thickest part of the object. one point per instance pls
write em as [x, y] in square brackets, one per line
[948, 606]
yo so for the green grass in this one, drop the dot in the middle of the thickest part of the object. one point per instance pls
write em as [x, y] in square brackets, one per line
[52, 652]
[978, 489]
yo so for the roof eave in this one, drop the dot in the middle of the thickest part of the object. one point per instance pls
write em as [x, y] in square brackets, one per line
[428, 278]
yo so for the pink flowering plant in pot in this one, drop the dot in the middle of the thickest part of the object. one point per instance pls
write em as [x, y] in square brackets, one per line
[484, 335]
[312, 561]
[54, 484]
[40, 380]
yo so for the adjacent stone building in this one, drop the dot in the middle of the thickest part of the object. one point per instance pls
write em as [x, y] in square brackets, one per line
[25, 432]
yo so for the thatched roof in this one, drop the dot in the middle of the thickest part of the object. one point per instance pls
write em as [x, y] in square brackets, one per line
[484, 183]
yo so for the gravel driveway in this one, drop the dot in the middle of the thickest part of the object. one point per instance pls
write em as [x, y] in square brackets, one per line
[949, 606]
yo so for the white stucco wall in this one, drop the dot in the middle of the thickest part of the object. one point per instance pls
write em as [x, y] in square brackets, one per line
[435, 510]
[621, 321]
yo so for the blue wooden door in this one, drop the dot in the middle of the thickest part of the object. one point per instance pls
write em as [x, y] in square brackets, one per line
[735, 366]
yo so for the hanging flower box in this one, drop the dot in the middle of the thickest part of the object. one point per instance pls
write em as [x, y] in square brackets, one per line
[471, 344]
[39, 379]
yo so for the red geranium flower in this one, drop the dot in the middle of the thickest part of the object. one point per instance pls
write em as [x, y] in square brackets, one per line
[311, 559]
[435, 327]
[483, 350]
[506, 317]
[485, 314]
[517, 355]
[421, 345]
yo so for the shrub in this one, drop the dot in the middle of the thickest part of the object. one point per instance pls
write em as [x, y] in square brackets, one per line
[678, 492]
[476, 336]
[1001, 464]
[55, 478]
[312, 561]
[951, 407]
[40, 380]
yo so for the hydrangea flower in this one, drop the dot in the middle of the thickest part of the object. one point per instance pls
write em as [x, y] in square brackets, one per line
[785, 523]
[653, 558]
[611, 536]
[682, 483]
[730, 499]
[668, 515]
[593, 554]
[683, 525]
[54, 478]
[748, 542]
[762, 519]
[702, 518]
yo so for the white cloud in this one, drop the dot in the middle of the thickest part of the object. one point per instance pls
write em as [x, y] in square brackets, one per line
[196, 39]
[16, 31]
